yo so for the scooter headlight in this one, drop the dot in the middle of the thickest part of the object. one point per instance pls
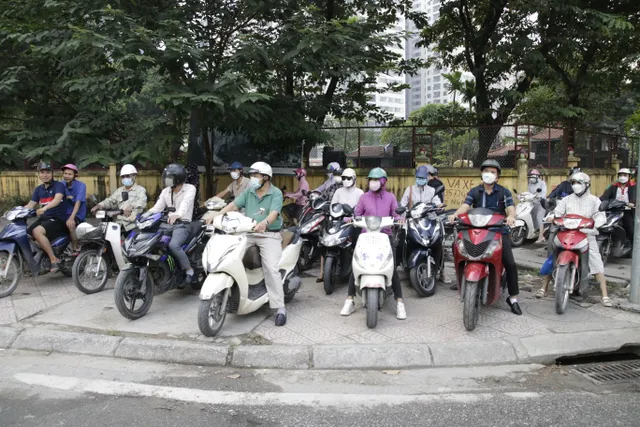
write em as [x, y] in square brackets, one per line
[495, 244]
[332, 239]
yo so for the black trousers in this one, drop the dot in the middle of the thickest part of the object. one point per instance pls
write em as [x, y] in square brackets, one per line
[395, 279]
[628, 223]
[293, 210]
[510, 266]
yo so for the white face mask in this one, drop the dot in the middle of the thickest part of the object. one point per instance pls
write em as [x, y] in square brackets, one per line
[235, 175]
[337, 179]
[255, 182]
[533, 180]
[578, 188]
[347, 183]
[374, 185]
[623, 179]
[488, 178]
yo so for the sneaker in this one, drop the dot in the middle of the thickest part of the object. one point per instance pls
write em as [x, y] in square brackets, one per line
[443, 278]
[349, 308]
[281, 319]
[401, 313]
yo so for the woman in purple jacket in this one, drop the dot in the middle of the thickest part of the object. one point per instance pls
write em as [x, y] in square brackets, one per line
[378, 202]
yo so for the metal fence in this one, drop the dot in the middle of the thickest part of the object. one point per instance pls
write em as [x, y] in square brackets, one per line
[466, 146]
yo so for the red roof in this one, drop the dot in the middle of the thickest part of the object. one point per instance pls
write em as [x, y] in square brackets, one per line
[548, 134]
[501, 151]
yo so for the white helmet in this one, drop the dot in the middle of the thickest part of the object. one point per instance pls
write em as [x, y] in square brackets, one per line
[349, 172]
[261, 168]
[128, 170]
[625, 170]
[580, 178]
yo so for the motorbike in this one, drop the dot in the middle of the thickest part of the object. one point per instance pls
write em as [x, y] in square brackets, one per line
[422, 231]
[477, 254]
[19, 253]
[571, 245]
[336, 241]
[311, 223]
[612, 238]
[101, 254]
[449, 235]
[373, 264]
[235, 279]
[151, 269]
[524, 228]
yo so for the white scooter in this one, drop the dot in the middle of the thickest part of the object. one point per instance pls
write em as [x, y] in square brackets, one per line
[373, 264]
[524, 228]
[235, 280]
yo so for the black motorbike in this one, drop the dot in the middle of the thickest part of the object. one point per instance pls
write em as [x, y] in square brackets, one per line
[151, 269]
[311, 224]
[612, 238]
[422, 232]
[337, 243]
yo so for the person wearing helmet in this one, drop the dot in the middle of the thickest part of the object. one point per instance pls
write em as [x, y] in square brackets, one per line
[493, 196]
[625, 191]
[131, 198]
[263, 203]
[435, 183]
[75, 201]
[50, 224]
[564, 188]
[585, 204]
[331, 168]
[181, 196]
[537, 186]
[300, 197]
[238, 184]
[378, 202]
[420, 192]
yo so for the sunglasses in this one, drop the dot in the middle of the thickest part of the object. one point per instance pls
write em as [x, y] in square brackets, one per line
[347, 178]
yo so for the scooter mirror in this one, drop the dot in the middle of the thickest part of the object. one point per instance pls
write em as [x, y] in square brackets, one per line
[604, 205]
[400, 211]
[348, 210]
[539, 190]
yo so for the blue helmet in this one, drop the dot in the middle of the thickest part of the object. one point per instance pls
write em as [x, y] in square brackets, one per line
[235, 165]
[422, 172]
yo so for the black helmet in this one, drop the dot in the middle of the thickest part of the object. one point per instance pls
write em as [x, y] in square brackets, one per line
[174, 175]
[44, 166]
[573, 170]
[337, 172]
[491, 163]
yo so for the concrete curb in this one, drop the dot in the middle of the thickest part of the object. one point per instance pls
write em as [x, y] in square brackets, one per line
[536, 266]
[535, 349]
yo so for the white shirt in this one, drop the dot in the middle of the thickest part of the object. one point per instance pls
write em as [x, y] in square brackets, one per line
[424, 194]
[347, 196]
[183, 201]
[587, 206]
[541, 185]
[622, 195]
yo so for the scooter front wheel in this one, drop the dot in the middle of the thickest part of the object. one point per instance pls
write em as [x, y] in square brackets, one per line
[90, 272]
[9, 283]
[563, 284]
[373, 305]
[518, 236]
[211, 315]
[128, 291]
[330, 274]
[471, 305]
[424, 284]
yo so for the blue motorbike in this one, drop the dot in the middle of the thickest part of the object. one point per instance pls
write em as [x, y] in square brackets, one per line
[151, 269]
[19, 253]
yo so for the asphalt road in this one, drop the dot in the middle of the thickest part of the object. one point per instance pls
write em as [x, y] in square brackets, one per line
[50, 390]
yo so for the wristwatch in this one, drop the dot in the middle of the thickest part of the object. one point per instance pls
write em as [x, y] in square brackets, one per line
[267, 222]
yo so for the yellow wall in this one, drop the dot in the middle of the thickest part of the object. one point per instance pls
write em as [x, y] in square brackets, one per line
[457, 182]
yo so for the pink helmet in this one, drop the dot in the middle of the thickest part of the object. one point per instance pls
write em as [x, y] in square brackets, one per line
[300, 172]
[70, 166]
[534, 172]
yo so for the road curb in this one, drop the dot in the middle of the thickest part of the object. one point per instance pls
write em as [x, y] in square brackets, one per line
[535, 266]
[543, 349]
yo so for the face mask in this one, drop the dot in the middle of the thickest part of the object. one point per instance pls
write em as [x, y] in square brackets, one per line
[623, 179]
[374, 185]
[533, 180]
[235, 175]
[421, 182]
[347, 182]
[255, 182]
[488, 178]
[578, 188]
[127, 182]
[337, 179]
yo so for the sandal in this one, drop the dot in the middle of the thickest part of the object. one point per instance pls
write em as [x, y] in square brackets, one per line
[541, 293]
[55, 267]
[320, 280]
[606, 301]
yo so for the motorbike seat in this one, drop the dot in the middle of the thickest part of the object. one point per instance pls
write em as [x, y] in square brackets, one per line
[251, 259]
[287, 238]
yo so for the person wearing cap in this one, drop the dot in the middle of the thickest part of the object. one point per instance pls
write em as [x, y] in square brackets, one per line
[52, 214]
[263, 203]
[300, 197]
[493, 196]
[331, 168]
[378, 202]
[131, 198]
[238, 184]
[537, 186]
[75, 201]
[420, 192]
[624, 191]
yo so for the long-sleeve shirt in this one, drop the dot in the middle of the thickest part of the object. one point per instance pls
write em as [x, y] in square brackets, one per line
[325, 185]
[533, 188]
[136, 200]
[587, 206]
[300, 198]
[424, 194]
[562, 190]
[380, 203]
[182, 200]
[347, 196]
[623, 192]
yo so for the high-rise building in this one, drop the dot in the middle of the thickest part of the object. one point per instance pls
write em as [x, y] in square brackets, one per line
[392, 102]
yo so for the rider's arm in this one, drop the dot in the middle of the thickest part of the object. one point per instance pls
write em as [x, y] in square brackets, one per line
[111, 201]
[561, 207]
[224, 193]
[31, 204]
[161, 203]
[462, 209]
[57, 199]
[80, 197]
[436, 200]
[404, 202]
[230, 207]
[609, 193]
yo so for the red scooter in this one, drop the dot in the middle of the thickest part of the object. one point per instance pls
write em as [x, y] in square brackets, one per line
[477, 257]
[572, 261]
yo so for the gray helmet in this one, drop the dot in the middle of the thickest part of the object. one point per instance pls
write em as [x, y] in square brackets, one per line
[491, 163]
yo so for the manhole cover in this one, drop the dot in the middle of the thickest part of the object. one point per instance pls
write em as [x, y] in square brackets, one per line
[610, 372]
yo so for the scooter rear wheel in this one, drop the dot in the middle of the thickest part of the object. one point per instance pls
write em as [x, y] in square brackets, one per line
[563, 284]
[211, 315]
[373, 305]
[472, 300]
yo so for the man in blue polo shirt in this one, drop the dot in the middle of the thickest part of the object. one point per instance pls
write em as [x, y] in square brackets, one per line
[263, 202]
[75, 201]
[52, 214]
[491, 195]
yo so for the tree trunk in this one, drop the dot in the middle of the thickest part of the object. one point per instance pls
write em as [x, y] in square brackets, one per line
[486, 136]
[208, 155]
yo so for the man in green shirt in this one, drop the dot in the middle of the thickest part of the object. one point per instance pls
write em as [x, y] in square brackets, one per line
[263, 203]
